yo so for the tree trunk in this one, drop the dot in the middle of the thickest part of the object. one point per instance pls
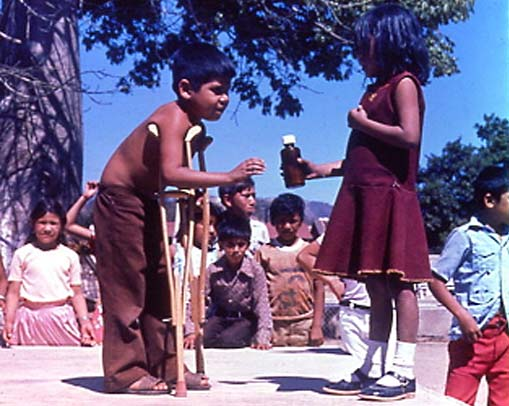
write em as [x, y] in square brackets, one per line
[41, 141]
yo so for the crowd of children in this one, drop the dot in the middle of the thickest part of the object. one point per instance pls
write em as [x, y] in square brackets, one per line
[263, 292]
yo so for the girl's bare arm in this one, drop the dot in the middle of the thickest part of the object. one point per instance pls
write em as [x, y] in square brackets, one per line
[80, 308]
[71, 226]
[405, 135]
[11, 305]
[322, 170]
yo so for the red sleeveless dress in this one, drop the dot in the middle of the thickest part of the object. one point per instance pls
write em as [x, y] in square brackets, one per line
[376, 225]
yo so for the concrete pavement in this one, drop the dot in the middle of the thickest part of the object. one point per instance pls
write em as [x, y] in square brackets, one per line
[282, 376]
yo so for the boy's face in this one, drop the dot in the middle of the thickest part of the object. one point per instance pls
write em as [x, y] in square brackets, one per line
[209, 101]
[500, 209]
[199, 230]
[287, 227]
[243, 202]
[234, 250]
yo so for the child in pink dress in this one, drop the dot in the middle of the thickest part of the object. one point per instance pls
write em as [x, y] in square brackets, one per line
[44, 301]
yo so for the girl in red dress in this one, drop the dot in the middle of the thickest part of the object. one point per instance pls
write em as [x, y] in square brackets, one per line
[376, 232]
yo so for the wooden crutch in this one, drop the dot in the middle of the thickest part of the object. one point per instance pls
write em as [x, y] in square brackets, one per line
[198, 283]
[178, 283]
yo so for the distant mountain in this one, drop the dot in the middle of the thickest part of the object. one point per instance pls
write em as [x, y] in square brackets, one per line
[314, 210]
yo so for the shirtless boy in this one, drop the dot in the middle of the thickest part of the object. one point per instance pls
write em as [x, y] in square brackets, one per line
[138, 352]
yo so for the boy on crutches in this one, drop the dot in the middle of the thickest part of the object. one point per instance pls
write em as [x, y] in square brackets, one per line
[130, 263]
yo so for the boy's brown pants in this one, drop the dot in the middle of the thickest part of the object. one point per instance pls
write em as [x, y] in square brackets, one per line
[134, 289]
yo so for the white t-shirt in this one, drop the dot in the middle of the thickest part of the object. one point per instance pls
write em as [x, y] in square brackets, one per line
[179, 259]
[259, 236]
[45, 275]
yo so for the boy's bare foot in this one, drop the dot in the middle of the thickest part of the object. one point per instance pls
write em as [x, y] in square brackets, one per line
[147, 385]
[194, 381]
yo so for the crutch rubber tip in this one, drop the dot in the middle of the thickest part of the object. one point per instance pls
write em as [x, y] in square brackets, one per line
[180, 389]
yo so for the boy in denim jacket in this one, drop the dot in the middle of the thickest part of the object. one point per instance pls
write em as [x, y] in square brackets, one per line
[476, 259]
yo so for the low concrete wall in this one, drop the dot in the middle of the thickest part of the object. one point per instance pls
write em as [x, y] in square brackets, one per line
[434, 319]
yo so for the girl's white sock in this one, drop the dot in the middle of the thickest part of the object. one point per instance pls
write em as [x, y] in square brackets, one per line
[404, 359]
[375, 359]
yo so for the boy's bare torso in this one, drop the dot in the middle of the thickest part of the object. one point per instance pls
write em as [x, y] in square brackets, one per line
[136, 162]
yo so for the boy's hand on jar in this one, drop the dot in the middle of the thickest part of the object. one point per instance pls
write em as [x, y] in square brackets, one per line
[250, 167]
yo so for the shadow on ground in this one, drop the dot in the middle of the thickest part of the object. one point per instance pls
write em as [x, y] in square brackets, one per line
[315, 350]
[93, 383]
[295, 383]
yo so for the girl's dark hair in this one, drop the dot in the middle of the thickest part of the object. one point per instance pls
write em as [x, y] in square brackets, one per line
[232, 226]
[48, 206]
[286, 204]
[200, 63]
[398, 40]
[492, 179]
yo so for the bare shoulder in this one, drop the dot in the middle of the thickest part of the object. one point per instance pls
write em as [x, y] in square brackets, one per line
[170, 119]
[407, 90]
[407, 84]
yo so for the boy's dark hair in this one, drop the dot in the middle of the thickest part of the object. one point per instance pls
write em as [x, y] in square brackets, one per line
[215, 210]
[399, 44]
[233, 226]
[200, 63]
[492, 179]
[286, 204]
[42, 207]
[235, 187]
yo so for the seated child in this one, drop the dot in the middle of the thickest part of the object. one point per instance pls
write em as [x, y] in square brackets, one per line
[236, 288]
[44, 280]
[291, 291]
[476, 258]
[199, 230]
[240, 198]
[212, 255]
[83, 242]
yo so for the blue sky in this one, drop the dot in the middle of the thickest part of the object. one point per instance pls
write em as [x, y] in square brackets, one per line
[454, 105]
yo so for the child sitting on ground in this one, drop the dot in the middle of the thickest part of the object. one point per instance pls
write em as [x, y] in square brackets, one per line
[240, 199]
[292, 292]
[236, 288]
[476, 259]
[196, 253]
[44, 280]
[83, 242]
